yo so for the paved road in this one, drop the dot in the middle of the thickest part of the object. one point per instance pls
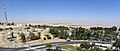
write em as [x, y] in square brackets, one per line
[41, 46]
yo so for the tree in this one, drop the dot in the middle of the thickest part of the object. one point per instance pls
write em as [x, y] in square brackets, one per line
[1, 23]
[63, 34]
[98, 49]
[78, 48]
[39, 34]
[28, 28]
[114, 28]
[85, 45]
[12, 23]
[49, 46]
[88, 34]
[23, 37]
[1, 29]
[48, 36]
[30, 25]
[108, 30]
[81, 49]
[92, 45]
[79, 33]
[107, 49]
[54, 32]
[94, 28]
[33, 36]
[117, 44]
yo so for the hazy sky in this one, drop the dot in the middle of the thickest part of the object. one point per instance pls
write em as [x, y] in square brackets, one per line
[83, 12]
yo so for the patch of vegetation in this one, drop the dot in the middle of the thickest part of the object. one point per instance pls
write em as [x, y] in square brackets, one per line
[68, 47]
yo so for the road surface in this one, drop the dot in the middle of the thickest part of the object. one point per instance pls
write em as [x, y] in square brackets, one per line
[42, 46]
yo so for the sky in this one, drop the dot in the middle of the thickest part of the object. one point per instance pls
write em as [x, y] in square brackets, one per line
[81, 12]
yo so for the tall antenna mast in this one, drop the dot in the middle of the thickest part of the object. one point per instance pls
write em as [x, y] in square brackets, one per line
[6, 20]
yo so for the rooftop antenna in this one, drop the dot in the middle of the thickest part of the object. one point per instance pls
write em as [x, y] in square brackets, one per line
[5, 13]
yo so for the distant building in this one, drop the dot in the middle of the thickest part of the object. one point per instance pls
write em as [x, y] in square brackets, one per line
[20, 24]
